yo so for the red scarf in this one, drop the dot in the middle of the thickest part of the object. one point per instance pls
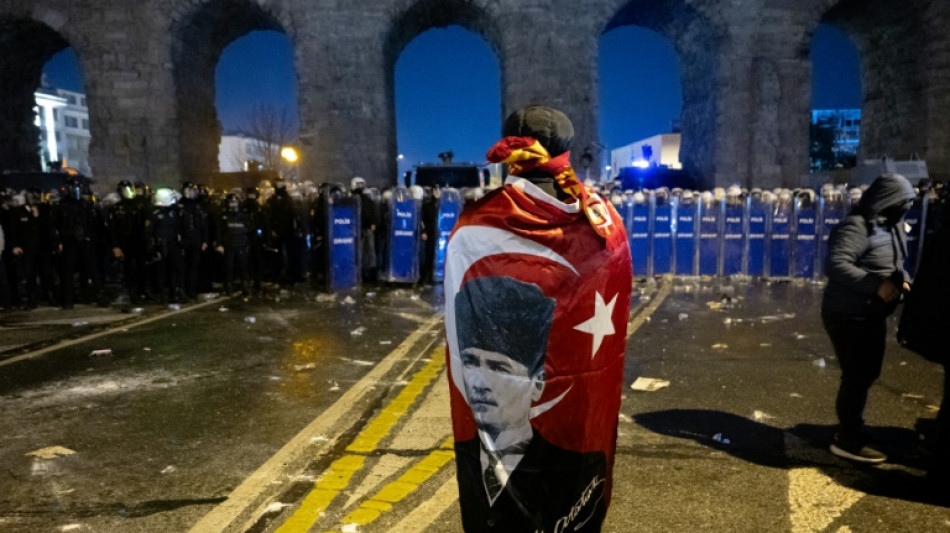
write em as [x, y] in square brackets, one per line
[525, 154]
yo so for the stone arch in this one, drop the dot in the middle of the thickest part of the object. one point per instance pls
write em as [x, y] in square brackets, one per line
[697, 42]
[420, 16]
[198, 38]
[890, 38]
[25, 47]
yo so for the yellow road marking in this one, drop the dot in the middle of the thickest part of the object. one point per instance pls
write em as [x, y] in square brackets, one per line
[666, 287]
[334, 480]
[338, 476]
[397, 490]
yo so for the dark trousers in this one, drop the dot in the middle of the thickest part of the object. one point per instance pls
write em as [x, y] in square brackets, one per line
[192, 260]
[940, 469]
[255, 260]
[133, 272]
[4, 287]
[168, 273]
[859, 345]
[24, 287]
[79, 256]
[235, 263]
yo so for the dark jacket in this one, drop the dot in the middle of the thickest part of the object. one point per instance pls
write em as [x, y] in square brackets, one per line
[234, 230]
[551, 489]
[127, 225]
[924, 321]
[866, 248]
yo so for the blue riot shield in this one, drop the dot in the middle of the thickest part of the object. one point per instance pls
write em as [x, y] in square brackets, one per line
[733, 234]
[450, 206]
[805, 230]
[780, 231]
[913, 223]
[756, 226]
[833, 210]
[343, 236]
[662, 232]
[710, 234]
[686, 238]
[639, 234]
[402, 265]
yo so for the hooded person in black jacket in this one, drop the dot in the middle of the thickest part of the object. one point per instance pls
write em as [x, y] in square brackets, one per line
[866, 281]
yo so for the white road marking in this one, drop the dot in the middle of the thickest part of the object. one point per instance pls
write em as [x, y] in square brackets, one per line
[120, 328]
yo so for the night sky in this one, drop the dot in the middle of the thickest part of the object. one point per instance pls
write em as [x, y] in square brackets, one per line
[448, 86]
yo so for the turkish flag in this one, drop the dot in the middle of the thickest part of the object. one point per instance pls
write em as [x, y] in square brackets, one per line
[536, 321]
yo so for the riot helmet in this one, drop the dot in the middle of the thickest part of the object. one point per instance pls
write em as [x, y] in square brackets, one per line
[233, 203]
[189, 190]
[163, 197]
[33, 195]
[126, 190]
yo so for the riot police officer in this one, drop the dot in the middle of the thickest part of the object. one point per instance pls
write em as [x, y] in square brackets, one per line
[256, 219]
[234, 237]
[23, 241]
[76, 233]
[127, 233]
[283, 231]
[165, 253]
[194, 236]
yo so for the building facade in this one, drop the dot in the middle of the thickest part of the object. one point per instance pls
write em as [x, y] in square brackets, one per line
[63, 120]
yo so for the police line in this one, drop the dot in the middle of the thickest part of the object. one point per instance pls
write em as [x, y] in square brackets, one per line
[775, 234]
[736, 232]
[401, 249]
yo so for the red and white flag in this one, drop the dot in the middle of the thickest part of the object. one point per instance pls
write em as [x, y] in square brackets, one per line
[536, 317]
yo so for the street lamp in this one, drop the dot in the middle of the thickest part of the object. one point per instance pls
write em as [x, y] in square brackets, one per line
[289, 154]
[290, 157]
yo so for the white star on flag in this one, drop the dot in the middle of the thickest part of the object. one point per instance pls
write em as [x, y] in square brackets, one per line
[601, 324]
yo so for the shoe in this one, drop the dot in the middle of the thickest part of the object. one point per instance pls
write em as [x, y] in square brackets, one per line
[857, 451]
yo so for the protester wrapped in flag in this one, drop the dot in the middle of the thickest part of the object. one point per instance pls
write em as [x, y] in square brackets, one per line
[537, 284]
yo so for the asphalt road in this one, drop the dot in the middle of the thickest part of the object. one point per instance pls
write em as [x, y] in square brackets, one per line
[300, 412]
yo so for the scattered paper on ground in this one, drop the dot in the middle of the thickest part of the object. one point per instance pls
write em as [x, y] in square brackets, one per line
[649, 384]
[51, 452]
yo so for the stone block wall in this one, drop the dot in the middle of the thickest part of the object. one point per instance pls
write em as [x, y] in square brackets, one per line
[149, 73]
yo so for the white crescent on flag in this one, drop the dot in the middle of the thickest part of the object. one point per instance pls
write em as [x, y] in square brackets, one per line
[479, 242]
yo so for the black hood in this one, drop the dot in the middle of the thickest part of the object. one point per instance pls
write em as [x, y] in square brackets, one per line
[887, 190]
[547, 125]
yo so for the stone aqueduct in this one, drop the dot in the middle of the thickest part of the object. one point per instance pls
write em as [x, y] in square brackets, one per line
[149, 72]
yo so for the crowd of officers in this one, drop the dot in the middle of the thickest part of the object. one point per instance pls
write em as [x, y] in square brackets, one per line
[139, 245]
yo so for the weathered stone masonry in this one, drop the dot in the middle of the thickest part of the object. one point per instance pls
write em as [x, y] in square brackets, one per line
[149, 71]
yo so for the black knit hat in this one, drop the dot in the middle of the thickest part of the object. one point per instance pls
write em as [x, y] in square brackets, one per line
[507, 316]
[549, 126]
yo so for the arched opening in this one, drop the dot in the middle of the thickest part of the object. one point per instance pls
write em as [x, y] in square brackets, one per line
[695, 40]
[834, 132]
[465, 47]
[62, 115]
[25, 47]
[448, 98]
[199, 39]
[256, 103]
[641, 100]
